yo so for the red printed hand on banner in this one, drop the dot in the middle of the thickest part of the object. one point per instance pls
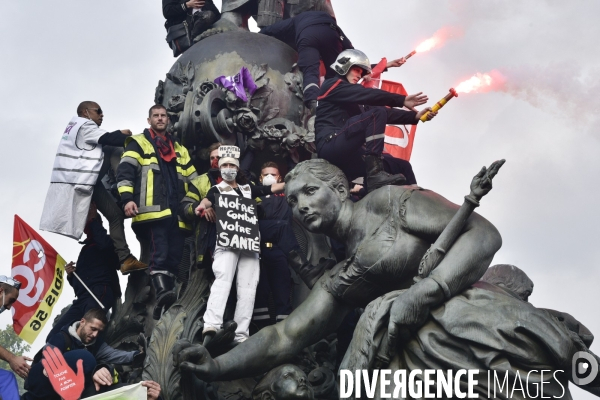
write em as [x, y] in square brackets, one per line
[65, 382]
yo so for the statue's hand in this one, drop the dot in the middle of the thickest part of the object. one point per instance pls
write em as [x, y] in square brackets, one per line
[482, 182]
[177, 348]
[195, 358]
[406, 315]
[410, 311]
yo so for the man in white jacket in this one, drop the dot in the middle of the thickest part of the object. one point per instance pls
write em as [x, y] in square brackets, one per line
[75, 182]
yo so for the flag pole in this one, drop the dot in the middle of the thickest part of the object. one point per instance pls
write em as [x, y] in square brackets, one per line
[88, 289]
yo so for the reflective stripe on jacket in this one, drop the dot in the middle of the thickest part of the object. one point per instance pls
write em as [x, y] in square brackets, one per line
[141, 179]
[79, 156]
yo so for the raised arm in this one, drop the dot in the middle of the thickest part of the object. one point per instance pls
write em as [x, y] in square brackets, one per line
[317, 316]
[340, 92]
[463, 260]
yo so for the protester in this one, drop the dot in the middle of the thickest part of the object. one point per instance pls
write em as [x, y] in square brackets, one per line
[96, 266]
[229, 262]
[316, 36]
[81, 341]
[204, 230]
[186, 20]
[343, 126]
[153, 176]
[75, 182]
[9, 288]
[275, 218]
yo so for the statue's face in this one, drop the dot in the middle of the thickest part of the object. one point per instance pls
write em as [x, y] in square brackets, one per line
[291, 384]
[313, 203]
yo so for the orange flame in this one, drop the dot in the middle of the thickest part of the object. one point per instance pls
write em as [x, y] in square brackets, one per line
[481, 83]
[427, 45]
[439, 38]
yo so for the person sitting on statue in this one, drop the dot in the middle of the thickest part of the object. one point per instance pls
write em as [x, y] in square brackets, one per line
[286, 382]
[97, 267]
[229, 262]
[316, 36]
[386, 235]
[346, 131]
[199, 15]
[82, 341]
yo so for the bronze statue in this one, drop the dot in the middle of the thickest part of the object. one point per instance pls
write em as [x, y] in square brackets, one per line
[386, 235]
[286, 382]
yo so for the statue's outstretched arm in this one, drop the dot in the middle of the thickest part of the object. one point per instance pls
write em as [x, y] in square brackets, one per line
[316, 317]
[468, 244]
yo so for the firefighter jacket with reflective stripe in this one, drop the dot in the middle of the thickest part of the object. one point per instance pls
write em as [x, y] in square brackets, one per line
[79, 156]
[142, 179]
[198, 189]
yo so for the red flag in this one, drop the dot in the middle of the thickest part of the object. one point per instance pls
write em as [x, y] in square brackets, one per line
[399, 139]
[40, 270]
[375, 78]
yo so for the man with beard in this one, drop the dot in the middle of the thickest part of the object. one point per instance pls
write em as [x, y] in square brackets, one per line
[154, 175]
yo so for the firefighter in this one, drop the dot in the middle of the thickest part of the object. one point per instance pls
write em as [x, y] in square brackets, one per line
[153, 176]
[351, 119]
[316, 36]
[277, 236]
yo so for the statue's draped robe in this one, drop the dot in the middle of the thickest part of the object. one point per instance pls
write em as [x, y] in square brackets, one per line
[485, 328]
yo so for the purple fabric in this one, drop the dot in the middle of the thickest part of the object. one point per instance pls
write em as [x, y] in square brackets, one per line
[238, 83]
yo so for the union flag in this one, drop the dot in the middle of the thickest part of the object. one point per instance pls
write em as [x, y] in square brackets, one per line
[399, 139]
[40, 269]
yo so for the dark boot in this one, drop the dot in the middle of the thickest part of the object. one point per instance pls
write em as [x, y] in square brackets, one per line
[377, 177]
[165, 296]
[310, 274]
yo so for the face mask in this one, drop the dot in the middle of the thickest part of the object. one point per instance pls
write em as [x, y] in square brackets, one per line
[3, 308]
[269, 180]
[228, 174]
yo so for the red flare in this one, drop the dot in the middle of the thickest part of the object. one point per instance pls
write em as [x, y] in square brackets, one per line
[481, 83]
[439, 38]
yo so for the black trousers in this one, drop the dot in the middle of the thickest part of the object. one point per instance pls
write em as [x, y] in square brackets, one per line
[316, 43]
[163, 241]
[275, 275]
[363, 134]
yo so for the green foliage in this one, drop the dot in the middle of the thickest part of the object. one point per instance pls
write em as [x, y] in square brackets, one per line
[13, 343]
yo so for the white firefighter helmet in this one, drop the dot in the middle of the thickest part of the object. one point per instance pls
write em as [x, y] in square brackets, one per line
[349, 58]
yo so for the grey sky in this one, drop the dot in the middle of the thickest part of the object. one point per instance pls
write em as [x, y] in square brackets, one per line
[546, 123]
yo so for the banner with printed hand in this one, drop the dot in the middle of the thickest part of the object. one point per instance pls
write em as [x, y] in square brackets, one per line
[40, 269]
[399, 139]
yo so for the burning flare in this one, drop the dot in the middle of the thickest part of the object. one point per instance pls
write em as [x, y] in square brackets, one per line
[439, 38]
[427, 45]
[481, 83]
